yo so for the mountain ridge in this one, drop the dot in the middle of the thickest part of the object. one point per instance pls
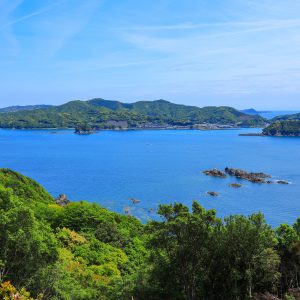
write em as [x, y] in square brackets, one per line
[99, 113]
[17, 108]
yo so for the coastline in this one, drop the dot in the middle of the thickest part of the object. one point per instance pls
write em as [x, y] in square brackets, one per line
[267, 135]
[222, 127]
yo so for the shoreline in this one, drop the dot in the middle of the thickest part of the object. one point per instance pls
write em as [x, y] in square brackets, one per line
[266, 135]
[136, 129]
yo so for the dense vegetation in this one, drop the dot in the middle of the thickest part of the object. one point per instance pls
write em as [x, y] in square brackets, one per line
[283, 128]
[99, 113]
[292, 117]
[83, 251]
[22, 108]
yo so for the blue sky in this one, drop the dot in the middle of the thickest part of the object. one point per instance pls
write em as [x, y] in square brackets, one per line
[242, 53]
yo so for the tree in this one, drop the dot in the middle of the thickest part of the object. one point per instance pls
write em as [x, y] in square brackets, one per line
[26, 244]
[244, 260]
[180, 250]
[289, 251]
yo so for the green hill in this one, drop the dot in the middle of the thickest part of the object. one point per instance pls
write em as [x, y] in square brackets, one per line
[101, 114]
[283, 128]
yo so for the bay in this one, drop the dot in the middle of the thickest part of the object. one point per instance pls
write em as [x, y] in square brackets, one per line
[159, 167]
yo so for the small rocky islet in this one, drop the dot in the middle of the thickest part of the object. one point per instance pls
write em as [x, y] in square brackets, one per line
[213, 194]
[235, 185]
[253, 177]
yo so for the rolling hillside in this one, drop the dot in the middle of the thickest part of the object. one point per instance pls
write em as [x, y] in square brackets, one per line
[100, 113]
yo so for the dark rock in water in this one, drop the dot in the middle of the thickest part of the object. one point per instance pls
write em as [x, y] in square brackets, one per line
[282, 182]
[235, 185]
[253, 177]
[214, 194]
[134, 201]
[62, 200]
[215, 173]
[269, 181]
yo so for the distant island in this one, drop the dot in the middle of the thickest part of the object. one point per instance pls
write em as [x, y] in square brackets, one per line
[252, 111]
[102, 114]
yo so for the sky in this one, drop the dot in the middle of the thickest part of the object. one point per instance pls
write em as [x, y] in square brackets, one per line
[240, 53]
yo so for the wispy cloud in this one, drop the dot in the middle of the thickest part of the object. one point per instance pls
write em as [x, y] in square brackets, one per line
[52, 35]
[52, 26]
[249, 26]
[30, 15]
[192, 48]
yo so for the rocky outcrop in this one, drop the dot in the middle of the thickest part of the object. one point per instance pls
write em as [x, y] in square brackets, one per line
[235, 185]
[84, 129]
[62, 200]
[253, 177]
[215, 173]
[258, 177]
[214, 194]
[282, 182]
[134, 201]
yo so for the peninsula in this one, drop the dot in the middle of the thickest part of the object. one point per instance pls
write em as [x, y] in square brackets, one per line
[283, 128]
[288, 127]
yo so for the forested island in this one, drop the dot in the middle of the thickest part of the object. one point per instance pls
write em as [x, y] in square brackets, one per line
[77, 250]
[287, 127]
[105, 114]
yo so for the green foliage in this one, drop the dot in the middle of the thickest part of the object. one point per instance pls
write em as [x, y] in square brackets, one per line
[73, 252]
[26, 189]
[99, 113]
[283, 128]
[292, 117]
[84, 129]
[197, 256]
[9, 292]
[26, 244]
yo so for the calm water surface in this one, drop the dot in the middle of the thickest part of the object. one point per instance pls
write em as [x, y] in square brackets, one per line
[159, 167]
[273, 114]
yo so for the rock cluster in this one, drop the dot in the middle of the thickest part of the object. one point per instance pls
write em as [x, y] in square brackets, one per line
[253, 177]
[241, 174]
[215, 173]
[62, 200]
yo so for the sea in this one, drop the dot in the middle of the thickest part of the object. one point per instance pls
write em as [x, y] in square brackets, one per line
[160, 167]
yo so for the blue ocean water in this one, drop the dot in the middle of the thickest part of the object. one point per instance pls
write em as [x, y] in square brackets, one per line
[159, 167]
[273, 114]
